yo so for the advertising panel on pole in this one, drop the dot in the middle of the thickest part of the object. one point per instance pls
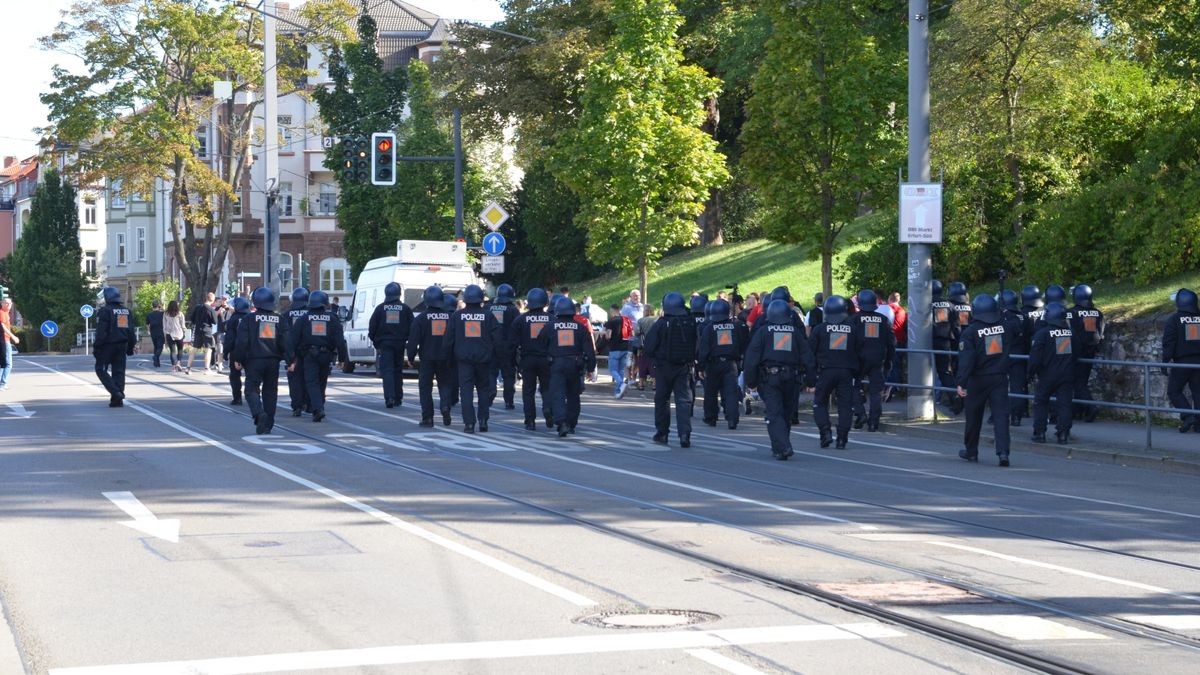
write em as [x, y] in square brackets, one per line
[920, 213]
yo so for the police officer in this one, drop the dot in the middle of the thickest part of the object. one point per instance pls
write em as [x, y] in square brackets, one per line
[388, 331]
[1088, 324]
[1032, 309]
[260, 344]
[241, 310]
[837, 351]
[472, 339]
[533, 357]
[775, 359]
[940, 309]
[699, 307]
[1014, 324]
[427, 340]
[671, 344]
[568, 342]
[1052, 356]
[982, 376]
[115, 339]
[317, 341]
[297, 389]
[1181, 344]
[722, 343]
[505, 364]
[878, 350]
[782, 293]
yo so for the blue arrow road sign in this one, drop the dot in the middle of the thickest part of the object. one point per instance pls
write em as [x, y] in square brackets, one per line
[493, 243]
[49, 329]
[86, 311]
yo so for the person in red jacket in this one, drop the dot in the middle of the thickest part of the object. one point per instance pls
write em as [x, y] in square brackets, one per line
[900, 327]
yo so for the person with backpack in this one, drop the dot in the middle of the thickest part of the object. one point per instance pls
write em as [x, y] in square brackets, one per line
[619, 331]
[671, 345]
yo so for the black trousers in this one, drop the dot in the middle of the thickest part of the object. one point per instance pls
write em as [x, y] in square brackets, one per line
[984, 391]
[427, 370]
[1177, 380]
[297, 386]
[839, 382]
[942, 364]
[111, 357]
[673, 379]
[391, 370]
[316, 377]
[235, 381]
[472, 378]
[1083, 392]
[566, 384]
[872, 380]
[1018, 383]
[535, 375]
[720, 385]
[778, 395]
[1063, 390]
[507, 367]
[158, 340]
[262, 387]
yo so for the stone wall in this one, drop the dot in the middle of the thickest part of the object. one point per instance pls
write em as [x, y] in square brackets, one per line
[1133, 340]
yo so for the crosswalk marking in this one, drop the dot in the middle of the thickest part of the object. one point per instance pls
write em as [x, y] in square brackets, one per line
[1023, 627]
[1171, 621]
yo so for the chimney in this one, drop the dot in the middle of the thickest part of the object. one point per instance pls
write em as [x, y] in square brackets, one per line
[9, 161]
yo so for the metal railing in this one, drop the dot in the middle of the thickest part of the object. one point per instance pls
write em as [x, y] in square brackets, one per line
[1145, 408]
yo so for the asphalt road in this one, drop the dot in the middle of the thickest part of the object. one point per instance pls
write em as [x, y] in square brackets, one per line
[167, 537]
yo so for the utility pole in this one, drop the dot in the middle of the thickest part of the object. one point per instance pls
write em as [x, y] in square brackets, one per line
[458, 176]
[270, 277]
[920, 267]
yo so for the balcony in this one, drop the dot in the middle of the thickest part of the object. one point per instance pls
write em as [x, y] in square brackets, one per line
[7, 204]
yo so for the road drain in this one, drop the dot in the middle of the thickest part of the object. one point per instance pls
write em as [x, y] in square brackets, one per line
[647, 618]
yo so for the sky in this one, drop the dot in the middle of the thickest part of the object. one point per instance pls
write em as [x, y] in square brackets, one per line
[28, 71]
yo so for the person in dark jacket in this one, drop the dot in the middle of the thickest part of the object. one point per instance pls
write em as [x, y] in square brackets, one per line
[671, 344]
[388, 331]
[259, 345]
[1032, 310]
[297, 389]
[572, 354]
[777, 356]
[115, 340]
[241, 310]
[837, 351]
[878, 351]
[473, 337]
[204, 329]
[1087, 322]
[505, 364]
[426, 347]
[1052, 356]
[154, 321]
[982, 376]
[533, 358]
[941, 314]
[317, 341]
[721, 345]
[1181, 344]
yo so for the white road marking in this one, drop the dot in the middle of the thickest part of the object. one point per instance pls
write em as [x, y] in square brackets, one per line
[19, 411]
[143, 519]
[606, 643]
[1022, 627]
[478, 556]
[873, 444]
[723, 662]
[1169, 621]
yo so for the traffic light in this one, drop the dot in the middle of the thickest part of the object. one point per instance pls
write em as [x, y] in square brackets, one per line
[304, 273]
[354, 152]
[383, 159]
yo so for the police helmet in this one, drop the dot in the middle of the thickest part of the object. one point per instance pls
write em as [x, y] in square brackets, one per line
[564, 306]
[449, 302]
[1031, 296]
[300, 297]
[1056, 293]
[111, 296]
[836, 309]
[985, 308]
[717, 310]
[536, 298]
[673, 305]
[958, 291]
[473, 295]
[241, 305]
[391, 291]
[264, 299]
[937, 289]
[432, 298]
[778, 312]
[505, 294]
[781, 293]
[1185, 300]
[1082, 295]
[699, 302]
[1008, 300]
[867, 302]
[318, 300]
[1056, 314]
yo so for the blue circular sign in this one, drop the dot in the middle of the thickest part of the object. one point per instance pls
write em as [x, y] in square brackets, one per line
[49, 329]
[87, 311]
[494, 243]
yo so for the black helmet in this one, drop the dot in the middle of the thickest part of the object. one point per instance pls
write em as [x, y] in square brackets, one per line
[673, 305]
[505, 294]
[717, 310]
[1056, 293]
[536, 299]
[985, 308]
[699, 302]
[1031, 296]
[300, 297]
[1082, 295]
[432, 298]
[1008, 300]
[1185, 300]
[264, 298]
[1056, 314]
[473, 295]
[111, 296]
[867, 302]
[564, 307]
[391, 291]
[781, 293]
[836, 309]
[449, 302]
[958, 292]
[937, 289]
[241, 305]
[778, 313]
[317, 300]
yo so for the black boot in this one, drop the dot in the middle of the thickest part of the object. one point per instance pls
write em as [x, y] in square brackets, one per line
[469, 428]
[1004, 459]
[446, 417]
[483, 426]
[826, 438]
[859, 421]
[296, 412]
[115, 402]
[318, 415]
[236, 401]
[1039, 438]
[685, 441]
[1063, 437]
[562, 430]
[262, 423]
[1016, 420]
[1090, 415]
[841, 442]
[530, 426]
[660, 438]
[426, 422]
[732, 426]
[968, 456]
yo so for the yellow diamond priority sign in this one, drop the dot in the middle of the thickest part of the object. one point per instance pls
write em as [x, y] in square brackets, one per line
[493, 216]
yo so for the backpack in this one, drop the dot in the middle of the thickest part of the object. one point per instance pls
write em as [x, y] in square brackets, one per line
[678, 352]
[626, 328]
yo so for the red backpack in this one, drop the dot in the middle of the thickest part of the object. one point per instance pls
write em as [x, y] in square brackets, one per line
[626, 328]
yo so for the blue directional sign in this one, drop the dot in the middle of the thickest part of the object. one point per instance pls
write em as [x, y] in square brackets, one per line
[494, 243]
[87, 311]
[49, 329]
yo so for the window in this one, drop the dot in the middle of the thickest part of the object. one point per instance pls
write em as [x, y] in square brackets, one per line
[89, 263]
[121, 248]
[287, 279]
[335, 276]
[118, 199]
[237, 206]
[285, 132]
[326, 200]
[202, 142]
[285, 199]
[89, 211]
[140, 243]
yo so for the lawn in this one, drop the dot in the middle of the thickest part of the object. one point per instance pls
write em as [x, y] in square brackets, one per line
[1124, 300]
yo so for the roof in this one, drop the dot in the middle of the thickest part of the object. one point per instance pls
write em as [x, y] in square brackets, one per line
[392, 16]
[20, 169]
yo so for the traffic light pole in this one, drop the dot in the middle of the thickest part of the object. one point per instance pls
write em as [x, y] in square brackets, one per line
[270, 277]
[920, 267]
[458, 176]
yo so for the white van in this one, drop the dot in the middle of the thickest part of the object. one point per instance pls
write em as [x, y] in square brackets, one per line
[416, 266]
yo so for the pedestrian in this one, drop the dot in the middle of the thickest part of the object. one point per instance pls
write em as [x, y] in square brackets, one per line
[115, 340]
[204, 327]
[427, 341]
[317, 341]
[473, 337]
[878, 344]
[747, 307]
[1052, 356]
[645, 365]
[572, 354]
[1032, 311]
[982, 376]
[223, 311]
[777, 357]
[241, 310]
[10, 339]
[1181, 344]
[1088, 323]
[944, 340]
[721, 345]
[671, 345]
[1018, 369]
[259, 345]
[634, 303]
[297, 388]
[533, 358]
[900, 329]
[388, 331]
[619, 331]
[837, 352]
[173, 331]
[816, 315]
[505, 364]
[154, 321]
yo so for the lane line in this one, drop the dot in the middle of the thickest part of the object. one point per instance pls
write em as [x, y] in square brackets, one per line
[1023, 627]
[723, 662]
[499, 649]
[1169, 621]
[436, 539]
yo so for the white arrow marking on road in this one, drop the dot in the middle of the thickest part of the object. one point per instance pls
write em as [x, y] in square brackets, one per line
[19, 410]
[143, 520]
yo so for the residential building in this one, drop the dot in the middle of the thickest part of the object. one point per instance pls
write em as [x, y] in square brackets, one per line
[8, 205]
[134, 229]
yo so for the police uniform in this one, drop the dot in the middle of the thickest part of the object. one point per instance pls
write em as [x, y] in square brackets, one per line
[878, 350]
[115, 340]
[388, 331]
[940, 310]
[317, 341]
[1087, 322]
[776, 357]
[427, 341]
[297, 390]
[836, 348]
[1032, 310]
[1014, 324]
[228, 340]
[983, 372]
[259, 345]
[1181, 344]
[721, 344]
[505, 364]
[1052, 356]
[568, 343]
[671, 345]
[472, 338]
[533, 358]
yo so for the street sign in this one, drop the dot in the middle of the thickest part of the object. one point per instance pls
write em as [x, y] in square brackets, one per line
[493, 216]
[87, 311]
[492, 264]
[920, 213]
[49, 329]
[494, 243]
[327, 142]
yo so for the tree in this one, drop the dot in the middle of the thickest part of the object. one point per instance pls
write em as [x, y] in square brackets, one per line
[543, 216]
[163, 291]
[636, 156]
[824, 133]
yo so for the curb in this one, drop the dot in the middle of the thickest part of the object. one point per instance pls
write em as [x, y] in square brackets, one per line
[10, 656]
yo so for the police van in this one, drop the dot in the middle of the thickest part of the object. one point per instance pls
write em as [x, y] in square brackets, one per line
[416, 266]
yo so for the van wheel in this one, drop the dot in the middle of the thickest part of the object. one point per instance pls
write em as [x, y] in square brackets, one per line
[348, 367]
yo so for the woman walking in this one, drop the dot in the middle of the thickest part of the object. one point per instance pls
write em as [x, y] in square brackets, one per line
[172, 323]
[204, 324]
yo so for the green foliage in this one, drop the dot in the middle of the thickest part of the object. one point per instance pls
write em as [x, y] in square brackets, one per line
[882, 262]
[544, 218]
[164, 291]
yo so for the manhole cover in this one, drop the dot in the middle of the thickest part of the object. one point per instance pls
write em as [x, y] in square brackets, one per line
[904, 593]
[648, 618]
